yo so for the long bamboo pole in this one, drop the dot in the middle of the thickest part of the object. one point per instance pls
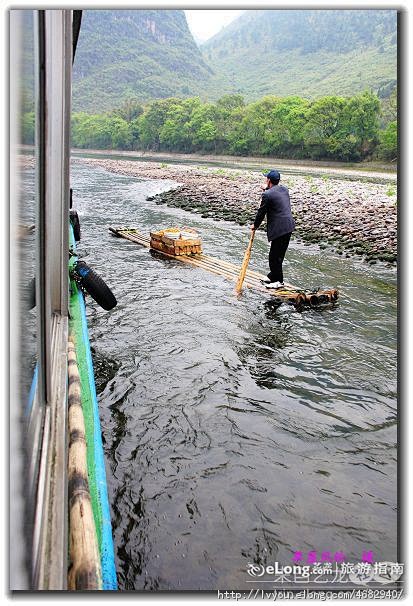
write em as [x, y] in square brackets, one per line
[245, 262]
[85, 568]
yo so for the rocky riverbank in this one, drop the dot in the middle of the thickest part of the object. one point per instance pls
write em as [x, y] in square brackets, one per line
[354, 217]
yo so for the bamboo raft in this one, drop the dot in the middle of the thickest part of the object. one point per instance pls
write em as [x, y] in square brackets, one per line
[289, 294]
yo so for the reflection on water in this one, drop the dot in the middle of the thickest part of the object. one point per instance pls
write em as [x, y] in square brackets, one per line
[236, 431]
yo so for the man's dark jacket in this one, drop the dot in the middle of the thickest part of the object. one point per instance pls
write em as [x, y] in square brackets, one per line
[276, 205]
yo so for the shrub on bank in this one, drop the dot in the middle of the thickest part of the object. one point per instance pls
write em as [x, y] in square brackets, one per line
[332, 128]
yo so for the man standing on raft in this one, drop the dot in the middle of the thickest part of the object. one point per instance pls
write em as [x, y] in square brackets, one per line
[280, 224]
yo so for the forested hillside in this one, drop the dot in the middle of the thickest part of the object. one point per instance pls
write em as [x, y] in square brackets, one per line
[305, 52]
[336, 128]
[140, 82]
[151, 54]
[142, 54]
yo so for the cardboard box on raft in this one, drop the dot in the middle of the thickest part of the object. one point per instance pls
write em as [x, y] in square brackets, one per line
[176, 247]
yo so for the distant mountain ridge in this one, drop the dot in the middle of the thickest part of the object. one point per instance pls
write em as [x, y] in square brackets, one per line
[151, 54]
[309, 30]
[305, 52]
[142, 54]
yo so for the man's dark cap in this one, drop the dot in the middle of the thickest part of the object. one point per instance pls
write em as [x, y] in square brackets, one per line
[273, 175]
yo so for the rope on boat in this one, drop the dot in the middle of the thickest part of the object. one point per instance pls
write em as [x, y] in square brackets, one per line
[85, 568]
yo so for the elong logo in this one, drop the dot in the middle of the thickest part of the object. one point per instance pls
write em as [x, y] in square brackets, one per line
[258, 570]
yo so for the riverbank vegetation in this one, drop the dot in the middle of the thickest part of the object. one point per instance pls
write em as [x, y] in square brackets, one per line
[329, 128]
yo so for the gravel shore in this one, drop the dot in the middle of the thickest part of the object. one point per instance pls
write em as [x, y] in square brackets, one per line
[354, 217]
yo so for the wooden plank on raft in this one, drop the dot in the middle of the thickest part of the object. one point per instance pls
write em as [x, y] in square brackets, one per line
[230, 271]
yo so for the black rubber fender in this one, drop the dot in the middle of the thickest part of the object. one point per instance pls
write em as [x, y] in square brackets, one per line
[95, 286]
[74, 220]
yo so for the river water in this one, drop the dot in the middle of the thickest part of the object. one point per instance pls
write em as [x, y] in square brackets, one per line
[236, 432]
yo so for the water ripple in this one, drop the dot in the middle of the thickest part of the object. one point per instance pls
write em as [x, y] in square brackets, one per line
[236, 430]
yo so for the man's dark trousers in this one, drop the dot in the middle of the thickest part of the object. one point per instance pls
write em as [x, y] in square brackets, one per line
[276, 257]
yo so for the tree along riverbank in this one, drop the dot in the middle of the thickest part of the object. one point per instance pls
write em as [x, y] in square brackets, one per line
[327, 128]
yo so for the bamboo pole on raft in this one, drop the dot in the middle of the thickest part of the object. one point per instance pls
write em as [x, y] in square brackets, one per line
[245, 262]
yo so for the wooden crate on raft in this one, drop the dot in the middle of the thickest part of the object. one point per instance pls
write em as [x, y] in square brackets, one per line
[176, 247]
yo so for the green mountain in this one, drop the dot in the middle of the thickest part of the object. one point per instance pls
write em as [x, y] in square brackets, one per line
[141, 54]
[309, 53]
[151, 54]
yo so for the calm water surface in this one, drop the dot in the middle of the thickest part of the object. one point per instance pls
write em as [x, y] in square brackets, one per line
[234, 431]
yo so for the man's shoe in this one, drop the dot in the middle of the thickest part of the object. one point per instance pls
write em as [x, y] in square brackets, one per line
[275, 285]
[265, 281]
